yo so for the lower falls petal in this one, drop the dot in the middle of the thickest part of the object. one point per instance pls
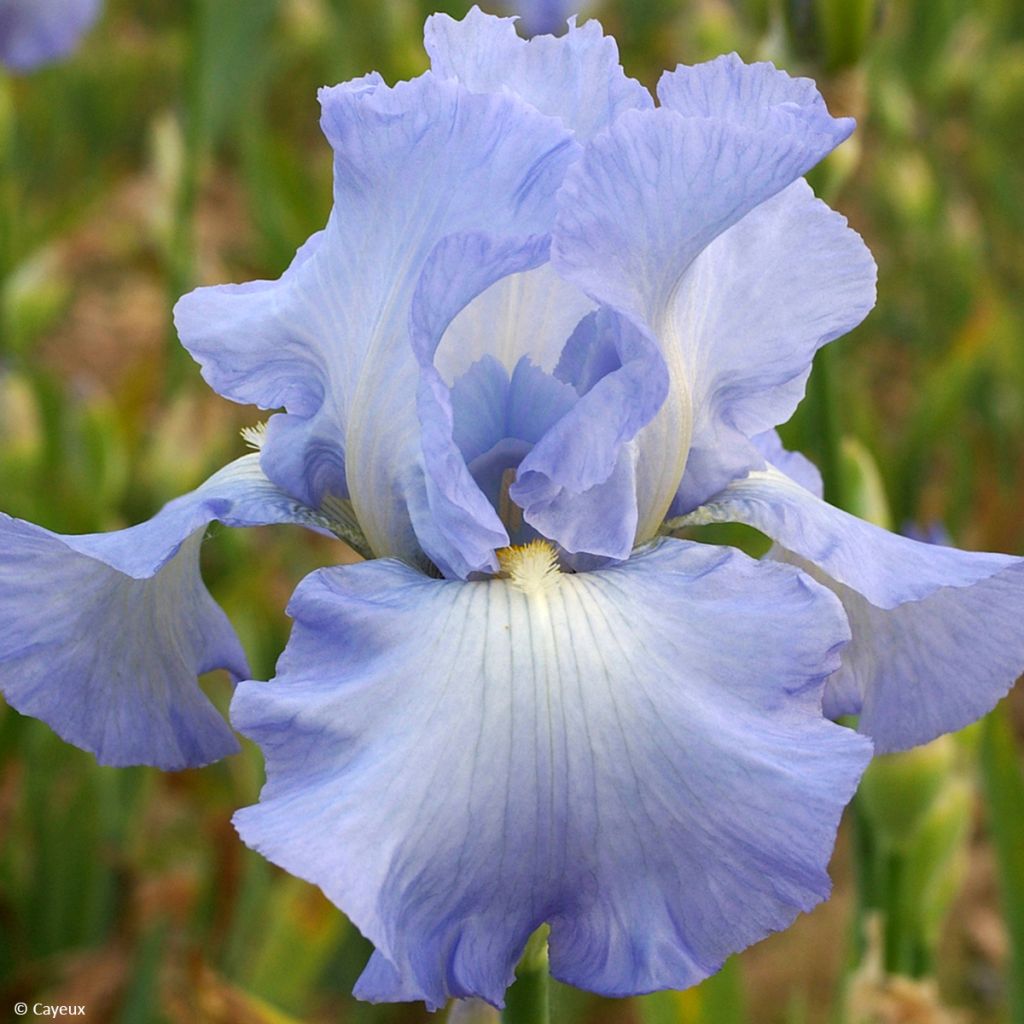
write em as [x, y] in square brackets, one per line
[636, 756]
[936, 631]
[103, 636]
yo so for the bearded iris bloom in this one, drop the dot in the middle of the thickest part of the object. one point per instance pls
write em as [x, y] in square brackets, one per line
[547, 321]
[35, 32]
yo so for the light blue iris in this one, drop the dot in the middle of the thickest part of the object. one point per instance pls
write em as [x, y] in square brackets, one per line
[544, 318]
[34, 32]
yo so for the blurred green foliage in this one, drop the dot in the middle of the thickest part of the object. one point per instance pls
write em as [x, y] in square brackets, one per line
[180, 146]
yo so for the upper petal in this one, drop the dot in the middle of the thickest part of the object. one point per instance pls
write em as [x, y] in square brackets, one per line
[575, 77]
[330, 341]
[455, 763]
[648, 197]
[102, 636]
[936, 631]
[749, 315]
[756, 95]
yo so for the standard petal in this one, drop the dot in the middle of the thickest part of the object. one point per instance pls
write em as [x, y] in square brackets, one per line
[635, 755]
[755, 95]
[749, 316]
[102, 636]
[636, 216]
[577, 484]
[525, 314]
[34, 32]
[936, 631]
[329, 341]
[575, 77]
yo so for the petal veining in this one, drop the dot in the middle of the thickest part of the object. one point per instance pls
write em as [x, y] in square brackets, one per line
[455, 763]
[756, 95]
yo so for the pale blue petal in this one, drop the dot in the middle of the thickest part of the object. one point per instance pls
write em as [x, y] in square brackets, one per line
[650, 202]
[599, 520]
[490, 407]
[525, 314]
[578, 486]
[536, 402]
[754, 95]
[330, 340]
[576, 77]
[102, 636]
[630, 755]
[936, 631]
[749, 316]
[931, 666]
[34, 32]
[793, 464]
[887, 569]
[479, 402]
[462, 529]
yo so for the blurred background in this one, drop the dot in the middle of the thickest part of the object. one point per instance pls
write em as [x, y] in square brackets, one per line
[179, 146]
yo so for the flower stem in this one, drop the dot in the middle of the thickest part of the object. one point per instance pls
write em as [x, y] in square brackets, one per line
[529, 999]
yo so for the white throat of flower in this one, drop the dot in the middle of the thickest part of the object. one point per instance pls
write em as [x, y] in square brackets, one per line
[533, 568]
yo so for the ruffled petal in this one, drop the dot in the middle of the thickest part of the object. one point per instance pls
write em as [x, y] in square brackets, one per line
[636, 756]
[329, 341]
[102, 636]
[575, 77]
[34, 32]
[639, 214]
[936, 631]
[758, 96]
[577, 484]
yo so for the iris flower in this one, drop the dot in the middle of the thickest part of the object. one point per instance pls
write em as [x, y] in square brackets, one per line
[34, 32]
[548, 320]
[540, 17]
